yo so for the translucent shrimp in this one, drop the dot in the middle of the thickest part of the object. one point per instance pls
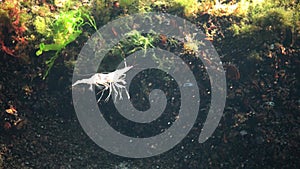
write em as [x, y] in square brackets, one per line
[113, 81]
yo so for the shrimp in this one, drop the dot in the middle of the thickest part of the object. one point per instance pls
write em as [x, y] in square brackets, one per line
[113, 81]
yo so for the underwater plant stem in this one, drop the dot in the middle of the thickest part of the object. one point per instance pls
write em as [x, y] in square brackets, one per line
[50, 63]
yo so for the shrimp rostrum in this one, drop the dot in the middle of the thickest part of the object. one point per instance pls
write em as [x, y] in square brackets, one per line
[113, 81]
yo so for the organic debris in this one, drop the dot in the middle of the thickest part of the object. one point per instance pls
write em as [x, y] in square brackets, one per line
[10, 119]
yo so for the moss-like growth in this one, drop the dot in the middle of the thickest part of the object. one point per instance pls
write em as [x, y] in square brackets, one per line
[187, 8]
[65, 29]
[269, 15]
[61, 31]
[41, 25]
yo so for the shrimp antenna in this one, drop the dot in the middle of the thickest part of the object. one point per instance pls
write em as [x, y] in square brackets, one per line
[125, 62]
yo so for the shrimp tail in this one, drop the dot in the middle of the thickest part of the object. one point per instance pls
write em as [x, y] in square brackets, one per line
[78, 82]
[83, 81]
